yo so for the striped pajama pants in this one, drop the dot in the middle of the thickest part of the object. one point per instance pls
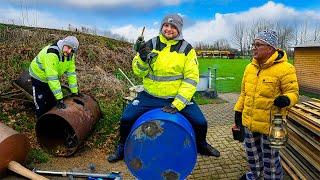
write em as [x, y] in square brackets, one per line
[264, 161]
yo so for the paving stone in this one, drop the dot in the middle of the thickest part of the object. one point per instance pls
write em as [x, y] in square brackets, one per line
[232, 162]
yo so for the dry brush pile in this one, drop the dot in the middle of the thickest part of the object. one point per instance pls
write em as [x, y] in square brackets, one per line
[98, 59]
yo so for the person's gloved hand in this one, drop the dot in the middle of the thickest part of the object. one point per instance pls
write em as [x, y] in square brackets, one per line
[237, 128]
[138, 43]
[61, 105]
[144, 50]
[170, 109]
[281, 101]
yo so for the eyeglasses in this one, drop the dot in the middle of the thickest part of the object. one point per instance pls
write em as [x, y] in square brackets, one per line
[257, 45]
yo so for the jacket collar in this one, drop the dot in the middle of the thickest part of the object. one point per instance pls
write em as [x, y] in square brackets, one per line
[277, 57]
[166, 41]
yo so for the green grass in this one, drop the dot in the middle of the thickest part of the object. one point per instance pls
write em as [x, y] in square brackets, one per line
[111, 45]
[4, 117]
[202, 100]
[37, 156]
[229, 72]
[311, 95]
[111, 113]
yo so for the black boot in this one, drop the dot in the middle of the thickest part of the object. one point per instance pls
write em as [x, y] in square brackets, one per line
[207, 150]
[243, 177]
[117, 155]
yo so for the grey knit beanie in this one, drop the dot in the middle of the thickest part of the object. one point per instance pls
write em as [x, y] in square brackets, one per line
[175, 20]
[270, 37]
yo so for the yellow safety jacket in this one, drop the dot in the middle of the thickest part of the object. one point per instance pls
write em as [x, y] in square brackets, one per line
[49, 65]
[261, 85]
[173, 73]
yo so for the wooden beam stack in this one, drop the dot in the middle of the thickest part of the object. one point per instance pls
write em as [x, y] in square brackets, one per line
[301, 156]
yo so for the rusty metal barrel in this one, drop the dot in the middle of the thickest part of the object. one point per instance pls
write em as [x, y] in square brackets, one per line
[13, 147]
[24, 81]
[61, 131]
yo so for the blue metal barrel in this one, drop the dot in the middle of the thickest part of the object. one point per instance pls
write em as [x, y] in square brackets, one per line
[161, 146]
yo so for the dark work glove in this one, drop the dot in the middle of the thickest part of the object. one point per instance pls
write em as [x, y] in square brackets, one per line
[281, 101]
[144, 50]
[61, 105]
[138, 43]
[237, 128]
[170, 109]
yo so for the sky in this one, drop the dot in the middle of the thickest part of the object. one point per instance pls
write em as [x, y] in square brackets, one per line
[204, 20]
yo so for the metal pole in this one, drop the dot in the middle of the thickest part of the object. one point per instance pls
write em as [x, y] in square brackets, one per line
[215, 82]
[79, 174]
[126, 77]
[209, 76]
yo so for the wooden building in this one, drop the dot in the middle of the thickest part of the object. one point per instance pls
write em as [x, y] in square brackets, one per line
[307, 64]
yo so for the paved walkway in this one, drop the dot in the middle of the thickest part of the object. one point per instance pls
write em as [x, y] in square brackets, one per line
[232, 162]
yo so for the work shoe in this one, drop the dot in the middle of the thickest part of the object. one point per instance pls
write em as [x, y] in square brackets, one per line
[117, 155]
[208, 150]
[243, 177]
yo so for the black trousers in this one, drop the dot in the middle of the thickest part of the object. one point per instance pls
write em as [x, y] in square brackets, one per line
[43, 97]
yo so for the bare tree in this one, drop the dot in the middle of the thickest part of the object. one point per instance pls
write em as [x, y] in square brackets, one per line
[285, 34]
[238, 36]
[304, 33]
[316, 33]
[28, 17]
[295, 34]
[221, 44]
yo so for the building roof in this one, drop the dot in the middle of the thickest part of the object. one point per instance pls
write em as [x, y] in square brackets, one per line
[308, 44]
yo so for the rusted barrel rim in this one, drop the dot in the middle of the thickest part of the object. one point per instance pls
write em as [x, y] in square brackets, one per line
[67, 128]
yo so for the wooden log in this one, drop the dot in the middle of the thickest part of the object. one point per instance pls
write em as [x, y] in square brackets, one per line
[307, 116]
[315, 99]
[308, 109]
[307, 124]
[311, 105]
[305, 135]
[310, 153]
[289, 171]
[292, 164]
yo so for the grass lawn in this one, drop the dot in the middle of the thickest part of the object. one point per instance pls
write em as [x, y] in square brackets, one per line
[229, 72]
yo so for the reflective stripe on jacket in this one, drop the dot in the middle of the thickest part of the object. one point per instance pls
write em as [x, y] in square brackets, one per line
[49, 65]
[172, 73]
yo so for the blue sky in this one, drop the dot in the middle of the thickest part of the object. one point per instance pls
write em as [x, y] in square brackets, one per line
[127, 17]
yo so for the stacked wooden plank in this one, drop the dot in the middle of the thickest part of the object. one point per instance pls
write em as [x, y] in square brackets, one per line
[301, 156]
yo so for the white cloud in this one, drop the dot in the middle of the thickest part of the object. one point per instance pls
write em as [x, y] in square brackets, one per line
[221, 25]
[132, 32]
[182, 15]
[218, 27]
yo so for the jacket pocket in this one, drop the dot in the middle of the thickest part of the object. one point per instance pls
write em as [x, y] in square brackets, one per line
[267, 87]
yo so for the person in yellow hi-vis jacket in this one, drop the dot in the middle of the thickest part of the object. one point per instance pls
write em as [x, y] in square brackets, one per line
[45, 70]
[169, 68]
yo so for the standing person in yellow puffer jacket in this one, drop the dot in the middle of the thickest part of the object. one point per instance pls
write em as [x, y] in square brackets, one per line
[269, 83]
[45, 70]
[169, 68]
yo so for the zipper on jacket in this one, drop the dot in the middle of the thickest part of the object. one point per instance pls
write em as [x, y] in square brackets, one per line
[258, 72]
[255, 89]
